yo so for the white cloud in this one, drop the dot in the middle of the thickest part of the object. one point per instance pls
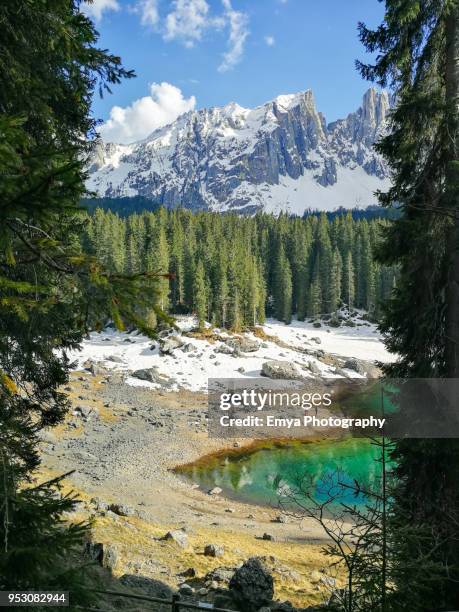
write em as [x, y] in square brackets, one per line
[98, 7]
[148, 11]
[164, 104]
[270, 41]
[238, 27]
[189, 20]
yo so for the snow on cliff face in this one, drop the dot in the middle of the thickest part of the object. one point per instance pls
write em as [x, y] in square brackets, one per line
[279, 156]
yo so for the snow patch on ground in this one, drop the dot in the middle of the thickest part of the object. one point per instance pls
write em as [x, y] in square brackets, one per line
[362, 341]
[127, 352]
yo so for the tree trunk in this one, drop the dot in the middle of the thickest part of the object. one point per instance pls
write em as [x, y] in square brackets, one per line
[452, 93]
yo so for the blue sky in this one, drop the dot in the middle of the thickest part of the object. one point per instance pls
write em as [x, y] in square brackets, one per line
[215, 51]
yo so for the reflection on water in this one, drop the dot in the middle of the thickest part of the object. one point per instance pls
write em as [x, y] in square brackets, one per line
[265, 475]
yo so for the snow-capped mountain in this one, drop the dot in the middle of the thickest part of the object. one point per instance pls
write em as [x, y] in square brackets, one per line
[279, 156]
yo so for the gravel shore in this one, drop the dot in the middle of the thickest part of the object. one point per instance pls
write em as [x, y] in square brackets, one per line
[122, 443]
[126, 447]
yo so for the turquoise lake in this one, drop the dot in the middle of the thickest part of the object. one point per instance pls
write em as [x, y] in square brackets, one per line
[266, 475]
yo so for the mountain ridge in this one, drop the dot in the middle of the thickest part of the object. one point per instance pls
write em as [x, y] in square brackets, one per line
[279, 156]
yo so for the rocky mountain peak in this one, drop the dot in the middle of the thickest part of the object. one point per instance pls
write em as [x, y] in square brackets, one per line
[281, 155]
[374, 113]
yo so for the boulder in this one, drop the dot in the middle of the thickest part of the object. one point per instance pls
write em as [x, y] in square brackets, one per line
[121, 510]
[105, 554]
[341, 372]
[168, 345]
[225, 349]
[316, 340]
[115, 359]
[355, 365]
[280, 518]
[178, 537]
[188, 348]
[95, 551]
[110, 558]
[154, 376]
[314, 368]
[244, 345]
[147, 586]
[86, 411]
[213, 550]
[268, 537]
[186, 590]
[99, 505]
[252, 585]
[280, 370]
[94, 368]
[220, 575]
[215, 491]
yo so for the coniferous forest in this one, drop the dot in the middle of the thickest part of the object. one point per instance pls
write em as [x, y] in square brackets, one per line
[233, 271]
[64, 271]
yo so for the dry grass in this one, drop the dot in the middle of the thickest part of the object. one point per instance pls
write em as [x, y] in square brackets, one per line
[297, 568]
[260, 333]
[207, 334]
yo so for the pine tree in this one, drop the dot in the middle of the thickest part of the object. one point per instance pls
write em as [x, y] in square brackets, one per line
[51, 293]
[200, 294]
[237, 261]
[348, 280]
[235, 321]
[261, 287]
[314, 299]
[134, 244]
[286, 312]
[417, 54]
[324, 253]
[177, 263]
[335, 281]
[190, 250]
[221, 289]
[160, 257]
[282, 289]
[367, 286]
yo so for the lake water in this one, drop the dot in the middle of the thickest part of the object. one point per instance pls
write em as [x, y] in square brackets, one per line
[266, 475]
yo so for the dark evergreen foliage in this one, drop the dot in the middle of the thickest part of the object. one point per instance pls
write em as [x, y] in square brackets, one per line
[51, 293]
[127, 205]
[122, 206]
[233, 270]
[417, 55]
